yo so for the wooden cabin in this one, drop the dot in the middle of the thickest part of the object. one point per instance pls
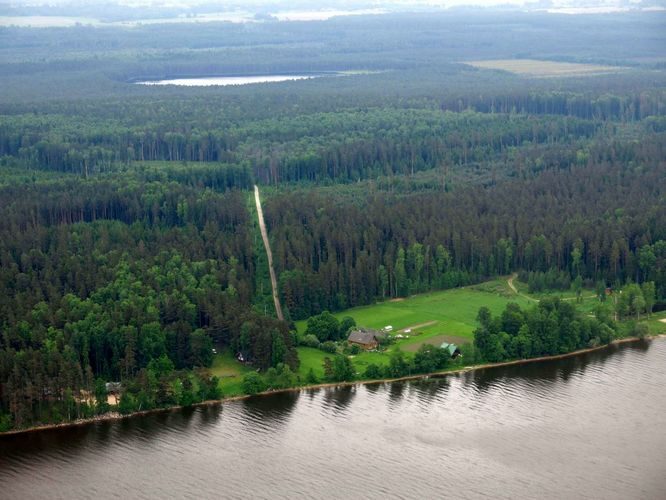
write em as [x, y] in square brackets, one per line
[365, 338]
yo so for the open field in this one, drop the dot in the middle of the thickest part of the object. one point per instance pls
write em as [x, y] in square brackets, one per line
[436, 340]
[433, 318]
[657, 323]
[230, 372]
[450, 312]
[311, 358]
[537, 68]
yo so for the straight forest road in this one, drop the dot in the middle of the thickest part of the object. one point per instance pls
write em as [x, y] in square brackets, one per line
[269, 254]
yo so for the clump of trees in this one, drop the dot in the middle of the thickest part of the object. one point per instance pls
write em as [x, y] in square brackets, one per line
[634, 300]
[552, 327]
[539, 281]
[278, 377]
[265, 342]
[325, 327]
[427, 359]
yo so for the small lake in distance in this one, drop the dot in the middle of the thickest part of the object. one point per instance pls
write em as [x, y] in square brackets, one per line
[224, 81]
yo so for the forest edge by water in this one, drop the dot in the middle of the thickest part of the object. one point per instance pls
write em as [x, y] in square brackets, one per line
[110, 416]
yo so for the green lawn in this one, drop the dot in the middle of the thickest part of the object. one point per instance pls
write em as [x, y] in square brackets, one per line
[449, 312]
[230, 372]
[655, 323]
[311, 358]
[448, 315]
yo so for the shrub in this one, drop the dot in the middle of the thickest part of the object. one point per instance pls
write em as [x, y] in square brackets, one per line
[311, 341]
[373, 371]
[329, 346]
[127, 403]
[311, 377]
[398, 365]
[280, 377]
[253, 383]
[5, 423]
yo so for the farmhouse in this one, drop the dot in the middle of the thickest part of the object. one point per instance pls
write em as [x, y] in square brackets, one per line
[366, 338]
[451, 348]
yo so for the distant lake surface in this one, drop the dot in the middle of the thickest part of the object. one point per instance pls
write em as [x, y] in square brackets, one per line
[592, 426]
[232, 16]
[227, 80]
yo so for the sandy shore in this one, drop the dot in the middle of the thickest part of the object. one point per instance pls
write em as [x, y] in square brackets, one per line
[117, 416]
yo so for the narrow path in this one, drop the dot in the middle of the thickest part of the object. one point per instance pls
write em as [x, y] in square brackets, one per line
[511, 285]
[269, 254]
[416, 327]
[515, 290]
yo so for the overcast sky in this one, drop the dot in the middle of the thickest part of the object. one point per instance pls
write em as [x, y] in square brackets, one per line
[349, 3]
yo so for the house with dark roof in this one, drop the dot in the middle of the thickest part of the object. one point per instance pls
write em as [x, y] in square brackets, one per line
[366, 338]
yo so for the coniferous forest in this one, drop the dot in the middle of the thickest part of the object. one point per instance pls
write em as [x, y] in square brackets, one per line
[129, 247]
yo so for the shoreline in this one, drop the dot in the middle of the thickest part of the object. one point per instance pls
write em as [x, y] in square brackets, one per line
[114, 416]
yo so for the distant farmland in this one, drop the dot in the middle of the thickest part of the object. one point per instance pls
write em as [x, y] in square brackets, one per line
[537, 68]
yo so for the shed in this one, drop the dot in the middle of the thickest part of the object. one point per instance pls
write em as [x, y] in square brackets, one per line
[452, 348]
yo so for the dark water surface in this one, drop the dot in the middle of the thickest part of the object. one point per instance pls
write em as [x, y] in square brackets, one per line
[592, 426]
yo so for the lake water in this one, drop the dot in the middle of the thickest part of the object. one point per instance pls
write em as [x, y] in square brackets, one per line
[232, 16]
[592, 426]
[227, 80]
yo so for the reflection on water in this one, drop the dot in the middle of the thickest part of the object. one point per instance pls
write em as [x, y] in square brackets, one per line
[581, 427]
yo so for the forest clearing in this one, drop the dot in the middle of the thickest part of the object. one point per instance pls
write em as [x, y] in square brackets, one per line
[537, 68]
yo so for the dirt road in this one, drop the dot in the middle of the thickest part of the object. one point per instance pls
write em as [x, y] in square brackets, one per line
[269, 254]
[515, 290]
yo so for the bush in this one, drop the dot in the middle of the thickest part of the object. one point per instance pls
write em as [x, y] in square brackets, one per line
[5, 423]
[253, 383]
[398, 365]
[346, 325]
[469, 355]
[329, 346]
[209, 388]
[343, 370]
[127, 403]
[324, 326]
[352, 349]
[280, 377]
[373, 371]
[430, 358]
[311, 341]
[640, 330]
[311, 377]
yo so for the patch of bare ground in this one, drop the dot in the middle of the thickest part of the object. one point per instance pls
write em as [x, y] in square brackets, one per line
[416, 327]
[543, 69]
[437, 340]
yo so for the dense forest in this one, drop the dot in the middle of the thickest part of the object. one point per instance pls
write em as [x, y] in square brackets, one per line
[129, 247]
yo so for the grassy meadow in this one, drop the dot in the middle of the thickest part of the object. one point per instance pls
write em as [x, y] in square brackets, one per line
[537, 68]
[435, 317]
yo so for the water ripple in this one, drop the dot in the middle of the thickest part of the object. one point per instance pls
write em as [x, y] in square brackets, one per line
[585, 427]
